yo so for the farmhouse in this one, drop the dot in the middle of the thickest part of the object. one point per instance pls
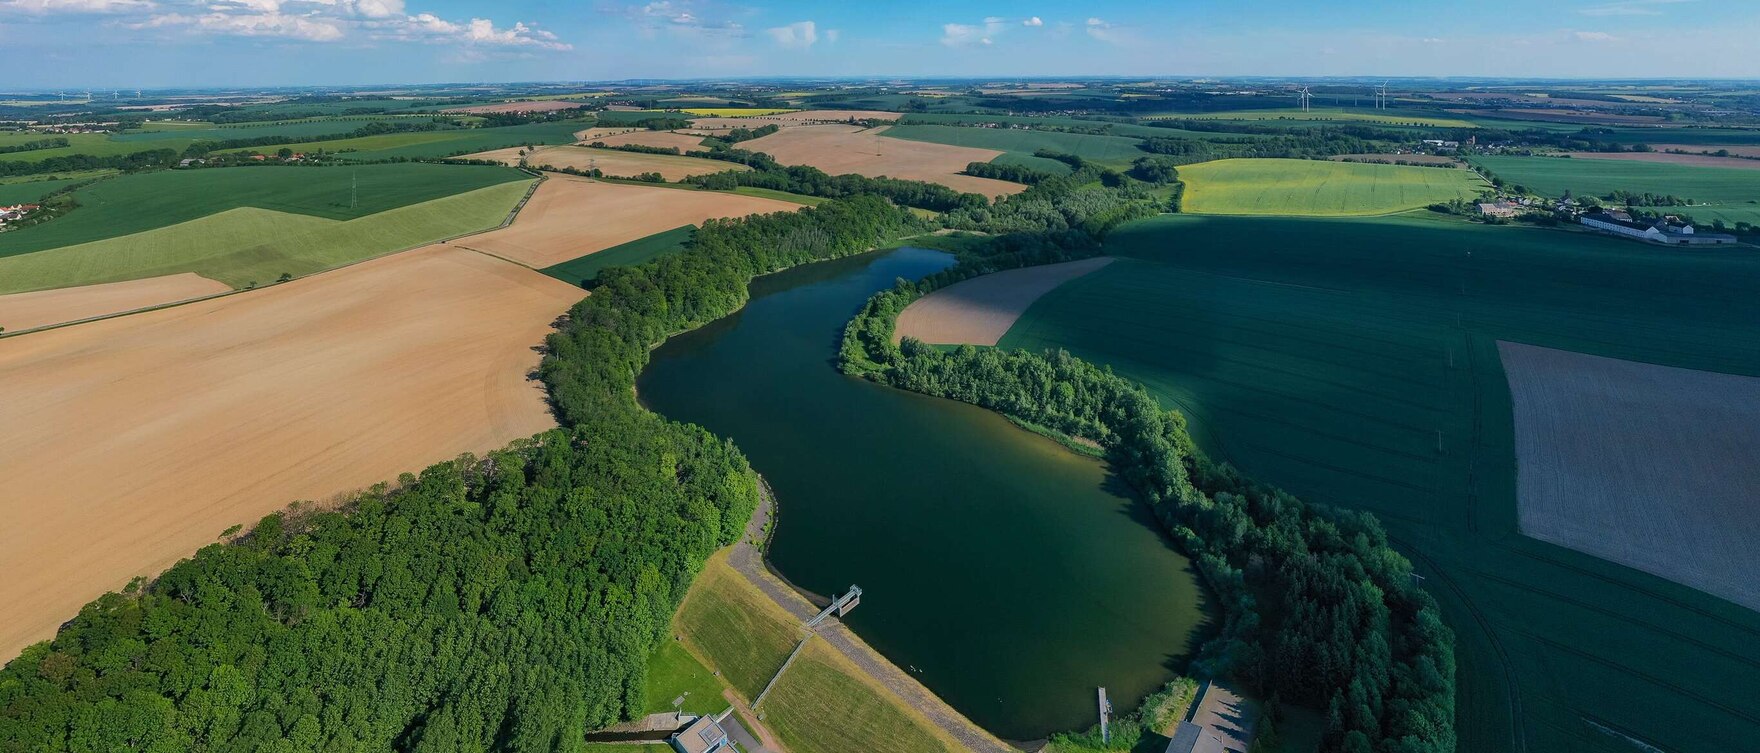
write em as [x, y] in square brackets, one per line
[701, 736]
[1660, 232]
[1499, 209]
[16, 212]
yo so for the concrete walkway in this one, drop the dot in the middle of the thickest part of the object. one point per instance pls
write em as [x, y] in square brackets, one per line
[747, 558]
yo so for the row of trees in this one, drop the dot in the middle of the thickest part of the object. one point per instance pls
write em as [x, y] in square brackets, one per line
[375, 128]
[1320, 609]
[811, 181]
[142, 160]
[34, 145]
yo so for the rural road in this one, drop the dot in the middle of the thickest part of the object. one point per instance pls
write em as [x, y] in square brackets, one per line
[747, 559]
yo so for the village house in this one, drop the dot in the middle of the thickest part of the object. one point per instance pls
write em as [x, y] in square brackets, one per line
[1662, 232]
[16, 212]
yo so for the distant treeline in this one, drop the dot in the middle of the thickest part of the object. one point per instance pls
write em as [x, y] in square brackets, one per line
[142, 160]
[1320, 610]
[811, 181]
[637, 148]
[375, 128]
[747, 134]
[31, 146]
[1310, 143]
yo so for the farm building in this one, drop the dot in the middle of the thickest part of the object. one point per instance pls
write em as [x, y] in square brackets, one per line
[15, 212]
[704, 735]
[1191, 738]
[1660, 232]
[1499, 209]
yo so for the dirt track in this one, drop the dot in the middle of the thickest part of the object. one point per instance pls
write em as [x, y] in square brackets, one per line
[131, 442]
[979, 311]
[571, 217]
[22, 311]
[842, 149]
[1648, 466]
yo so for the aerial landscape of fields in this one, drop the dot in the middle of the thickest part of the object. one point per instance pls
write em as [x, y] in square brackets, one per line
[681, 385]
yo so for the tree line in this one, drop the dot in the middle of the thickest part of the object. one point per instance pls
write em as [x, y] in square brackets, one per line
[34, 145]
[1319, 608]
[501, 603]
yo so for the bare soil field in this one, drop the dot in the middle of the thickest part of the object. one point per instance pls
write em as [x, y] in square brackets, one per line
[803, 117]
[680, 141]
[571, 217]
[1692, 160]
[979, 311]
[611, 162]
[1652, 467]
[840, 149]
[1395, 159]
[545, 105]
[22, 311]
[132, 442]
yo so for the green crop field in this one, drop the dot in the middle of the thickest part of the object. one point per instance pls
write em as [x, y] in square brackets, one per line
[430, 144]
[577, 271]
[149, 138]
[1335, 115]
[1111, 150]
[30, 191]
[1319, 187]
[137, 203]
[1731, 190]
[248, 244]
[771, 193]
[1353, 362]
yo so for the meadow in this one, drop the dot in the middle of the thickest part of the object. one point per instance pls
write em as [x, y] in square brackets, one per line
[1731, 193]
[1110, 150]
[1319, 187]
[824, 703]
[146, 201]
[1353, 362]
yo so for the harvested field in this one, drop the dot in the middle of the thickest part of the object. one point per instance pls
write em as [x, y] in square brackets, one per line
[611, 162]
[666, 139]
[543, 105]
[1692, 160]
[840, 149]
[980, 311]
[24, 311]
[131, 442]
[1648, 466]
[571, 217]
[594, 134]
[1395, 159]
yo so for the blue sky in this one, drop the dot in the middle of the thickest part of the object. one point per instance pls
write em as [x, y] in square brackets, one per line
[149, 43]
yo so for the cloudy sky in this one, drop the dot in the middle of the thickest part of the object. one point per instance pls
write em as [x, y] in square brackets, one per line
[149, 43]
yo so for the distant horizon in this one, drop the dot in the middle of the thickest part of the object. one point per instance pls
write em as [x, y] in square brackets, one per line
[268, 43]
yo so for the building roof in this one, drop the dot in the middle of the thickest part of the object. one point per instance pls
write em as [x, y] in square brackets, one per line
[1191, 738]
[700, 736]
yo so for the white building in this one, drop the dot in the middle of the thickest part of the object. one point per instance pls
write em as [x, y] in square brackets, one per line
[1660, 232]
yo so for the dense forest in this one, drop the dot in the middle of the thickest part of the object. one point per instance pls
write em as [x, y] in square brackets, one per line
[1320, 610]
[503, 603]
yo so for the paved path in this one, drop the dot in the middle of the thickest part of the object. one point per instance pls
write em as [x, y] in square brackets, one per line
[747, 559]
[1224, 713]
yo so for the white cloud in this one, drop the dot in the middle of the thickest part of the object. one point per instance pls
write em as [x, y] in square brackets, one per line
[964, 35]
[45, 7]
[799, 35]
[832, 35]
[1631, 8]
[1594, 36]
[1102, 30]
[334, 20]
[1034, 21]
[679, 18]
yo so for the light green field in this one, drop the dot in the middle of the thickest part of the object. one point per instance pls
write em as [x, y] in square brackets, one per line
[1319, 187]
[249, 244]
[145, 201]
[1353, 362]
[771, 193]
[673, 672]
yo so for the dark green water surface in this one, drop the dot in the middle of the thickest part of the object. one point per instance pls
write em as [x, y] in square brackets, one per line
[1003, 571]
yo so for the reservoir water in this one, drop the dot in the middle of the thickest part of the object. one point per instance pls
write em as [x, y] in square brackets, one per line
[1005, 572]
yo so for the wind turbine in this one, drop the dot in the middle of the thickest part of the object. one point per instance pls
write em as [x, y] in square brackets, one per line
[1381, 98]
[1305, 97]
